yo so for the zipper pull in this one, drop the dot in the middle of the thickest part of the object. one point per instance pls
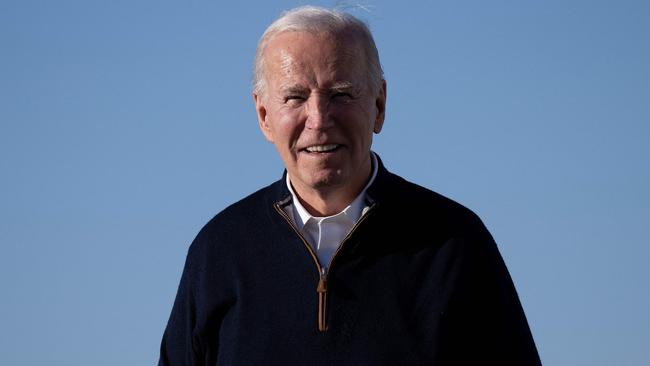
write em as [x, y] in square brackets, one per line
[322, 300]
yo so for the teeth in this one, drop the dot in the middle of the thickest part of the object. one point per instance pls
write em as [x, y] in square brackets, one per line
[322, 148]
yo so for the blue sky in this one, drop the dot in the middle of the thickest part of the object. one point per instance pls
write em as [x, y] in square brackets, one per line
[126, 125]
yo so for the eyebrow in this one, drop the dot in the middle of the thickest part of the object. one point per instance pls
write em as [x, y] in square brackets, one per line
[343, 85]
[339, 86]
[293, 89]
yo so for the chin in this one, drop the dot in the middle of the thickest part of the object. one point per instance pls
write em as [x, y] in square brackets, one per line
[328, 179]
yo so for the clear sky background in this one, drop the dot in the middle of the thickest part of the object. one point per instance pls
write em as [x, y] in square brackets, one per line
[125, 125]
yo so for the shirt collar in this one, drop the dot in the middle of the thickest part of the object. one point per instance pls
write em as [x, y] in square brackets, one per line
[353, 211]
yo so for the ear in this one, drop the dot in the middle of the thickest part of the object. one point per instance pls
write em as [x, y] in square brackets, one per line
[261, 117]
[380, 104]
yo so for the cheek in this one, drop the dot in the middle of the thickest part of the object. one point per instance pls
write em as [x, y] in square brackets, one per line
[287, 127]
[360, 122]
[360, 109]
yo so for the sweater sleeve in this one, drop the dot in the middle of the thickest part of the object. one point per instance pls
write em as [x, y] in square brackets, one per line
[486, 323]
[179, 346]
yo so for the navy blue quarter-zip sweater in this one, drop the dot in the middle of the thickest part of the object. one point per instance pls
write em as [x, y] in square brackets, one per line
[427, 289]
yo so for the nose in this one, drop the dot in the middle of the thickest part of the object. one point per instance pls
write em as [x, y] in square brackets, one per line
[318, 115]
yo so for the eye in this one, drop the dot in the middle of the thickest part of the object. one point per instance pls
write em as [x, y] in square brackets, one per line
[294, 98]
[342, 96]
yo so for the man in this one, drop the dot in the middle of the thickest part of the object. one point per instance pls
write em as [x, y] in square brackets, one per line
[339, 262]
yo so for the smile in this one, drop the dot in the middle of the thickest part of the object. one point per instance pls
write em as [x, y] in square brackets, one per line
[322, 148]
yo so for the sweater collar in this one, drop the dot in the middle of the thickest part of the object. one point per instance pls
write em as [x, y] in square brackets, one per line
[377, 192]
[353, 211]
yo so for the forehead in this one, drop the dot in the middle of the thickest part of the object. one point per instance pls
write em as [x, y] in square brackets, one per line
[313, 57]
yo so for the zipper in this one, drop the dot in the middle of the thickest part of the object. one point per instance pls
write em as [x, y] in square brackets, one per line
[321, 288]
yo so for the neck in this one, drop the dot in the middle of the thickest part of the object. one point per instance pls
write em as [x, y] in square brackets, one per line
[319, 204]
[330, 200]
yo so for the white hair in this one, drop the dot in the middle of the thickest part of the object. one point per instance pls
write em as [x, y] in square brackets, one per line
[314, 19]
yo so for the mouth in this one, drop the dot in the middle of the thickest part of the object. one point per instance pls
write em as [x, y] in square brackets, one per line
[322, 149]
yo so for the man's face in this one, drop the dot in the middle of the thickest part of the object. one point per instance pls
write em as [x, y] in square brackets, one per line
[319, 110]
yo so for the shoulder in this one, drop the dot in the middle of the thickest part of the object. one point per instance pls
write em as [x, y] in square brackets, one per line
[423, 206]
[240, 221]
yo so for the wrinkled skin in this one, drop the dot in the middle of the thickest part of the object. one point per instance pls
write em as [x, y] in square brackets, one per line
[320, 111]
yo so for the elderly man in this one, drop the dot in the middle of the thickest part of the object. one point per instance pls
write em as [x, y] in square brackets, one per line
[339, 262]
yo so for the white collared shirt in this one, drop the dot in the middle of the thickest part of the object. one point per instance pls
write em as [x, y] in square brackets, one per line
[325, 234]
